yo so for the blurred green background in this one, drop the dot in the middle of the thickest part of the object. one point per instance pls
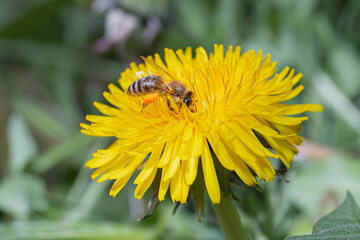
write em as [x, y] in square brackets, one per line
[57, 57]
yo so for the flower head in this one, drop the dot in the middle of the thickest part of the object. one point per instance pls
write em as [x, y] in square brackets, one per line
[239, 105]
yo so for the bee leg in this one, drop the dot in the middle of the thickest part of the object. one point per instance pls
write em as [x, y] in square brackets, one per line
[143, 106]
[169, 105]
[179, 105]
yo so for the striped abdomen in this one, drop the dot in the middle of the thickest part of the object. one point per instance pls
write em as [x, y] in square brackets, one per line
[147, 85]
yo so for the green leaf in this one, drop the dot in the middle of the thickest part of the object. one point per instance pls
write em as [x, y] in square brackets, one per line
[21, 194]
[58, 230]
[198, 191]
[61, 152]
[343, 223]
[344, 171]
[22, 145]
[42, 119]
[51, 56]
[85, 193]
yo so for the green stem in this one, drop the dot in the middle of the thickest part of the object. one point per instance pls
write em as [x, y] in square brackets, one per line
[229, 219]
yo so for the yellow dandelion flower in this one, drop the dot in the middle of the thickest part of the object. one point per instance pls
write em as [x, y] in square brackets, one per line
[240, 104]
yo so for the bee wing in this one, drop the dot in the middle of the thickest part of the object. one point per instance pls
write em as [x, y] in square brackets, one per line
[141, 74]
[157, 67]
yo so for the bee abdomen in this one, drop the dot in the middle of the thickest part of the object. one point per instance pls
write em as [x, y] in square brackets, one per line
[137, 87]
[145, 85]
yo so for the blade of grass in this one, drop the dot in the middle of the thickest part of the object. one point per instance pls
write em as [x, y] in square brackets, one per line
[339, 101]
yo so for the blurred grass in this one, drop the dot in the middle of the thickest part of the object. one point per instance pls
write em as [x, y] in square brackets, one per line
[51, 71]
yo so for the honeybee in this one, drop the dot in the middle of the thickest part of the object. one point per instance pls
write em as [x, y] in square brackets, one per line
[154, 86]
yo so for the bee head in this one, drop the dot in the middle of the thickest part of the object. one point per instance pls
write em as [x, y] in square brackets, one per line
[189, 100]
